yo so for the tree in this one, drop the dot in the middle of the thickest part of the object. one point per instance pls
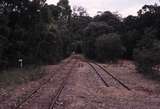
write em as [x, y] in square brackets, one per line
[79, 11]
[93, 31]
[29, 30]
[149, 16]
[111, 19]
[147, 53]
[130, 23]
[21, 12]
[65, 14]
[109, 47]
[79, 21]
[130, 40]
[147, 58]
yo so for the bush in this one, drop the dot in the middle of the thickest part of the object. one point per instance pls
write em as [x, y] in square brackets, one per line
[147, 53]
[14, 77]
[130, 40]
[91, 32]
[109, 47]
[49, 49]
[147, 58]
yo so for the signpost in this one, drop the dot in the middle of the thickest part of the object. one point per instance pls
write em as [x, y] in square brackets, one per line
[20, 62]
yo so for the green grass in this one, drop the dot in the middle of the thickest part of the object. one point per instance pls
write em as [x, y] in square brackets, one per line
[15, 77]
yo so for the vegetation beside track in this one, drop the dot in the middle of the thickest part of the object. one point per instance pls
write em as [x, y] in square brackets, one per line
[14, 77]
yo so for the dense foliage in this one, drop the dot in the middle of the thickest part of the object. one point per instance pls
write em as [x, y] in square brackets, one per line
[33, 31]
[109, 47]
[41, 33]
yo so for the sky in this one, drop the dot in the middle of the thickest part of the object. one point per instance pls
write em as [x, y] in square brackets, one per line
[124, 7]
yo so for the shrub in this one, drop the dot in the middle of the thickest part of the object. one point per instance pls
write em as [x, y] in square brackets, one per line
[130, 40]
[147, 58]
[109, 47]
[147, 53]
[91, 32]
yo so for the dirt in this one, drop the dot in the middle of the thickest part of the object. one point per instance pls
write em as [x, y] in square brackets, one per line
[85, 90]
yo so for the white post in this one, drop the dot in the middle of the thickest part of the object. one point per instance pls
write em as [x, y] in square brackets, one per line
[20, 63]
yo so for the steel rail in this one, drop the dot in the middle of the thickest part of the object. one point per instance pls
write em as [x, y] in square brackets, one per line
[37, 89]
[60, 89]
[120, 82]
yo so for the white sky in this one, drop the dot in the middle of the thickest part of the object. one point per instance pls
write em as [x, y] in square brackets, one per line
[124, 7]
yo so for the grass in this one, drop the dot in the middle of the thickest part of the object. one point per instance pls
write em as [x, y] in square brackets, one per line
[15, 77]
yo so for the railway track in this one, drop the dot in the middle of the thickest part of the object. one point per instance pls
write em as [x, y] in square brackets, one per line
[60, 89]
[93, 64]
[99, 75]
[59, 69]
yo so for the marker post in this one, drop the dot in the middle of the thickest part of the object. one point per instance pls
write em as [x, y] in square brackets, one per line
[20, 62]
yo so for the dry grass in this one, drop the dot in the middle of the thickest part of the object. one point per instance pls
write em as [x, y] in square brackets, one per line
[15, 77]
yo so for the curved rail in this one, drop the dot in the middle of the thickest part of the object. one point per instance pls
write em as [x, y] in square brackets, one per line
[60, 89]
[37, 89]
[113, 76]
[103, 80]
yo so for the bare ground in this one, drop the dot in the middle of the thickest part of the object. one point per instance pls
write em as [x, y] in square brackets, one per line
[85, 90]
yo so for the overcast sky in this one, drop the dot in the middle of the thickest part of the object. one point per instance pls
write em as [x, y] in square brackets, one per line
[124, 7]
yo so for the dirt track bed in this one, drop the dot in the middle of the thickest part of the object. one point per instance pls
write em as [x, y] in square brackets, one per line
[9, 99]
[133, 79]
[85, 90]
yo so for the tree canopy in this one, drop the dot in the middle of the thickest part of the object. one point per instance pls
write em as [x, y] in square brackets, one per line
[44, 34]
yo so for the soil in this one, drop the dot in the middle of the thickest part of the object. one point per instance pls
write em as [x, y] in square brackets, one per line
[85, 90]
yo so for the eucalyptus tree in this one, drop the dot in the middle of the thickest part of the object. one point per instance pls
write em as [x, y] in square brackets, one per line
[66, 11]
